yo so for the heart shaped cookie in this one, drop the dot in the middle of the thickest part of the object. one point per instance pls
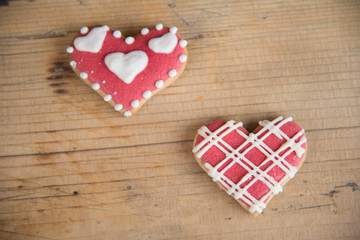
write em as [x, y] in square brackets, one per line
[252, 167]
[128, 71]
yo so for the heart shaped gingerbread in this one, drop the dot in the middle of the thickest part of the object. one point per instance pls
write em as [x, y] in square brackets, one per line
[128, 71]
[252, 167]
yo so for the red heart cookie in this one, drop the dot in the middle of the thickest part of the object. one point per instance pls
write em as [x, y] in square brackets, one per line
[128, 71]
[252, 167]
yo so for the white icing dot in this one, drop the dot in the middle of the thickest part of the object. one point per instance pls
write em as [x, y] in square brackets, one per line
[103, 81]
[172, 73]
[127, 113]
[135, 103]
[118, 107]
[107, 97]
[83, 75]
[84, 29]
[70, 49]
[73, 64]
[144, 31]
[117, 34]
[96, 86]
[183, 43]
[147, 94]
[129, 40]
[115, 93]
[159, 83]
[92, 71]
[159, 26]
[182, 58]
[173, 30]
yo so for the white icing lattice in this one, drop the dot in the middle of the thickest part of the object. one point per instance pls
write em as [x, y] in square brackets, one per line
[253, 172]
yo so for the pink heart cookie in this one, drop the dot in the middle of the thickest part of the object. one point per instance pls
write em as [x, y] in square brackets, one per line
[252, 167]
[128, 71]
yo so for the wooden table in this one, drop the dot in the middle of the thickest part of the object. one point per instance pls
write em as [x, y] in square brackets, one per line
[72, 168]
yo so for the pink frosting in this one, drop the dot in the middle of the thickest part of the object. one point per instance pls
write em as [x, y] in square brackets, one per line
[235, 173]
[159, 65]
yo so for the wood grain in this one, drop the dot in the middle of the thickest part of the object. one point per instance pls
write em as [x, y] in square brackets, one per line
[72, 168]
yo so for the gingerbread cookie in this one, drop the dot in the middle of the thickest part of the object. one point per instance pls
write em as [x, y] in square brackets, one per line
[127, 72]
[252, 167]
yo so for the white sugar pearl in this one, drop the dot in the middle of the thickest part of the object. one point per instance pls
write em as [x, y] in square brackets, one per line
[107, 97]
[84, 29]
[144, 31]
[129, 40]
[172, 73]
[117, 34]
[118, 107]
[159, 83]
[127, 113]
[147, 94]
[73, 64]
[183, 43]
[135, 103]
[96, 86]
[83, 75]
[182, 58]
[70, 49]
[159, 26]
[173, 30]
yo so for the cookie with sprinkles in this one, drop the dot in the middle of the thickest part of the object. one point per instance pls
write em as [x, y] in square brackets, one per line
[128, 71]
[251, 167]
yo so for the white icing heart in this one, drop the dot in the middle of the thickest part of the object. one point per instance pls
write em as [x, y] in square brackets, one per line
[126, 66]
[93, 41]
[164, 44]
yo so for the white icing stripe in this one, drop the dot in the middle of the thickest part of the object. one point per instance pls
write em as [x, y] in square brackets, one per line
[212, 139]
[213, 136]
[93, 41]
